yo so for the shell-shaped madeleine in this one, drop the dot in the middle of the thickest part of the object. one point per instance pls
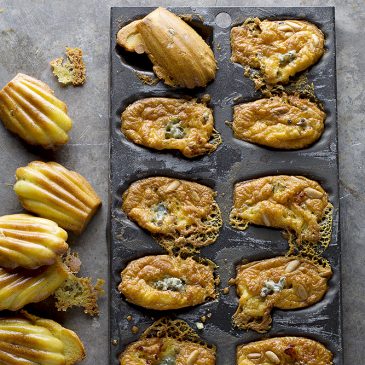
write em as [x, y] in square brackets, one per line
[167, 282]
[53, 192]
[167, 123]
[284, 351]
[20, 287]
[286, 122]
[280, 282]
[279, 48]
[30, 340]
[30, 242]
[29, 109]
[179, 54]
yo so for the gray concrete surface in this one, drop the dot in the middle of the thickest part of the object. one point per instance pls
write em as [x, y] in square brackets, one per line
[32, 32]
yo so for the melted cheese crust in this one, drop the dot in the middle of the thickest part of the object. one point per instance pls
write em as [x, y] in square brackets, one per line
[293, 203]
[188, 208]
[305, 284]
[265, 45]
[140, 275]
[289, 350]
[144, 122]
[286, 122]
[151, 351]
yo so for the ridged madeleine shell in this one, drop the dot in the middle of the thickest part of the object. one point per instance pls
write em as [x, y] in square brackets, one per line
[53, 192]
[20, 287]
[30, 340]
[179, 54]
[30, 242]
[29, 109]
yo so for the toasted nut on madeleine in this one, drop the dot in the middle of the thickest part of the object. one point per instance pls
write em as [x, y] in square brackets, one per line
[284, 351]
[28, 339]
[29, 109]
[53, 192]
[29, 241]
[20, 287]
[179, 54]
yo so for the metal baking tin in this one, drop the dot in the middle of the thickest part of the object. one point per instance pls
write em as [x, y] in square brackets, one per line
[233, 161]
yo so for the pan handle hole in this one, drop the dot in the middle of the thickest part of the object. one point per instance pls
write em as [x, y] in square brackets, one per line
[223, 20]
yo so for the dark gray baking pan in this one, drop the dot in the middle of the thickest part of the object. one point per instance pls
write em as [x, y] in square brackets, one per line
[233, 161]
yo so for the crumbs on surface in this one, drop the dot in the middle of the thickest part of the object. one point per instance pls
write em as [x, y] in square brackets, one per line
[73, 70]
[146, 79]
[134, 330]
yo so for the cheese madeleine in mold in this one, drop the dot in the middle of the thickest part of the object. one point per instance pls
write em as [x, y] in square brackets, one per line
[167, 123]
[167, 282]
[280, 282]
[279, 48]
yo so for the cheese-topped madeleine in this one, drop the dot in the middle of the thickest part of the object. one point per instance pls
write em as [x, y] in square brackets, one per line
[167, 282]
[29, 109]
[166, 123]
[179, 54]
[294, 203]
[286, 122]
[177, 212]
[29, 241]
[28, 339]
[284, 351]
[53, 192]
[279, 48]
[166, 351]
[20, 287]
[280, 282]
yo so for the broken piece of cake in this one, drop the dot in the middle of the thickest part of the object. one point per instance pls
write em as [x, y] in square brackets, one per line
[53, 192]
[278, 48]
[29, 109]
[167, 123]
[167, 282]
[281, 282]
[73, 70]
[180, 56]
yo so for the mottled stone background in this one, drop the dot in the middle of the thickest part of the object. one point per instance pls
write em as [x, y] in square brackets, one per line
[32, 32]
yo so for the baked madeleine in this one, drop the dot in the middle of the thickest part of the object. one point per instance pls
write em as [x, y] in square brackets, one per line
[284, 351]
[168, 342]
[280, 282]
[166, 123]
[294, 203]
[20, 287]
[286, 122]
[279, 49]
[53, 192]
[167, 282]
[29, 109]
[30, 242]
[178, 213]
[28, 339]
[179, 54]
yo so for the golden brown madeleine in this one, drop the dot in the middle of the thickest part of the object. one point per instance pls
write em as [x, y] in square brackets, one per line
[29, 109]
[29, 241]
[165, 123]
[280, 49]
[280, 282]
[284, 351]
[179, 54]
[53, 192]
[28, 339]
[169, 342]
[286, 122]
[167, 282]
[177, 212]
[20, 287]
[293, 203]
[166, 351]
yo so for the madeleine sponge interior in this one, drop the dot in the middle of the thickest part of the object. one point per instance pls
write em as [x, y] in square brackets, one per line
[29, 109]
[53, 192]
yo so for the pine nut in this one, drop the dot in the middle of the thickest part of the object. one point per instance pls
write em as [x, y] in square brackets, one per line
[301, 292]
[172, 186]
[272, 357]
[313, 193]
[193, 357]
[254, 355]
[292, 266]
